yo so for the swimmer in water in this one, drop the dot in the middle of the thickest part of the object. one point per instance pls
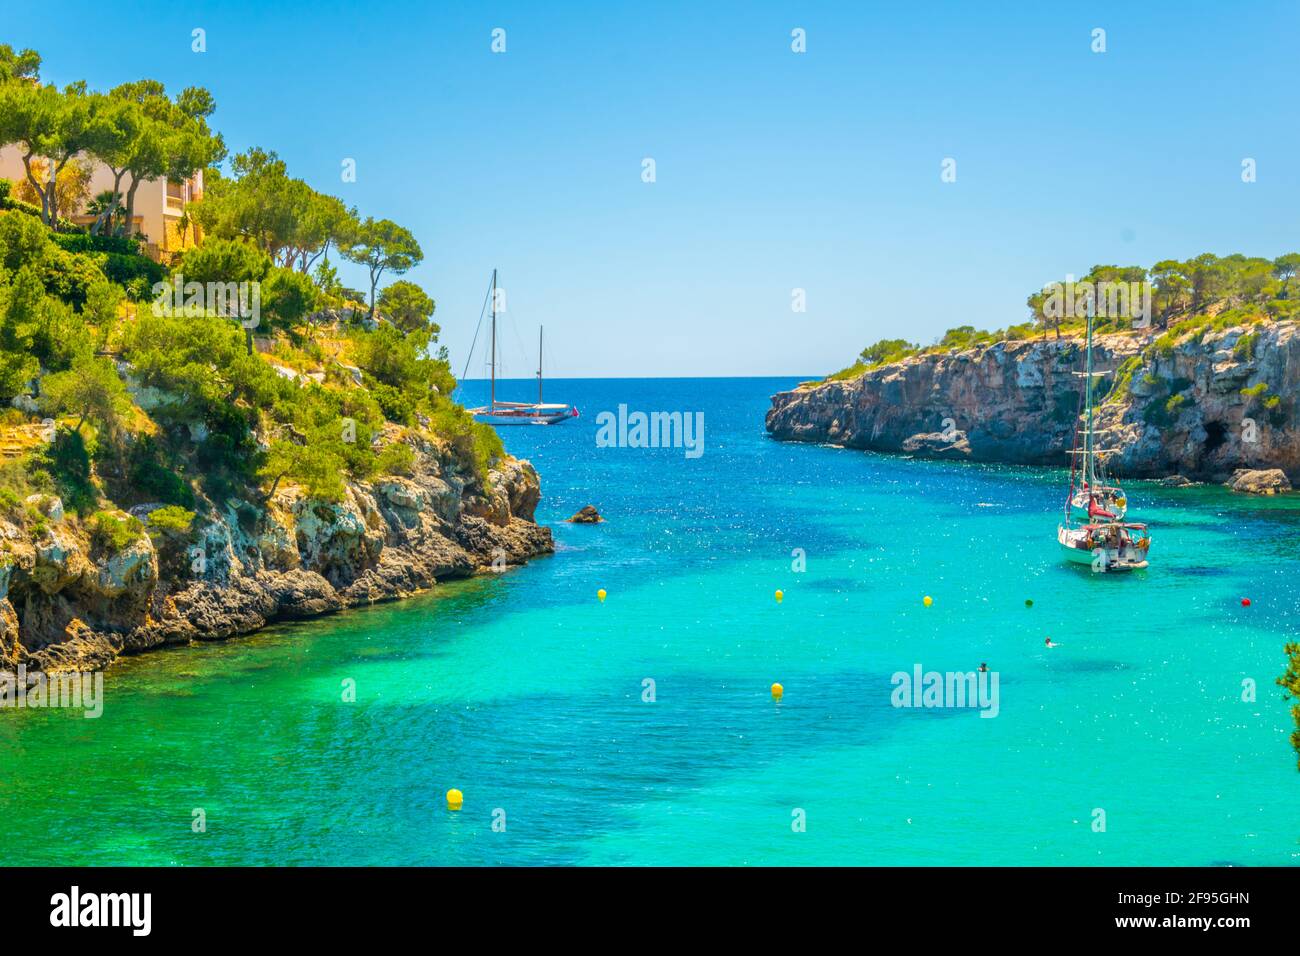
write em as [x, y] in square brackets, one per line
[1050, 643]
[983, 666]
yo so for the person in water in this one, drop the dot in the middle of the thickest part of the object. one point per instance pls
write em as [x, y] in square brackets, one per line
[984, 667]
[1049, 642]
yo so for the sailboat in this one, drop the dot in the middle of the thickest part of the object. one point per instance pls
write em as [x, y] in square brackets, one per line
[1094, 531]
[518, 413]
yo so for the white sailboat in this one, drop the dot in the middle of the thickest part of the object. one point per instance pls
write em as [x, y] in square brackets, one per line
[518, 413]
[1094, 531]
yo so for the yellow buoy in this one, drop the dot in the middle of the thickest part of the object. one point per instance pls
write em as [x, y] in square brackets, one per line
[454, 799]
[777, 691]
[927, 600]
[780, 595]
[601, 594]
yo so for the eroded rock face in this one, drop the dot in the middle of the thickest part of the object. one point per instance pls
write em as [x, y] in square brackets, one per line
[1201, 409]
[65, 607]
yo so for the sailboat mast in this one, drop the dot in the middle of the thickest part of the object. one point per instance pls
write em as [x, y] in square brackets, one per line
[492, 403]
[1089, 473]
[539, 365]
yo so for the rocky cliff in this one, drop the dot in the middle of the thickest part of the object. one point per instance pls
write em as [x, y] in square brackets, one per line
[1201, 404]
[69, 600]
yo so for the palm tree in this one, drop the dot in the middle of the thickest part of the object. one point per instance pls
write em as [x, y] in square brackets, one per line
[102, 207]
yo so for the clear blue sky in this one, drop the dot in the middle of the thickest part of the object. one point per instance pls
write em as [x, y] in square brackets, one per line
[775, 170]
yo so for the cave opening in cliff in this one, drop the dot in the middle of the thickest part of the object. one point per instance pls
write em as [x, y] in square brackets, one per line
[1215, 435]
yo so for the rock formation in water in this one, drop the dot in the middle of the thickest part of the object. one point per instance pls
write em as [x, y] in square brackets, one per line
[71, 601]
[587, 515]
[1261, 481]
[1199, 405]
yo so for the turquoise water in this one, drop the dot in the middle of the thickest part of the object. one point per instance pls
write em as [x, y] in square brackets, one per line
[526, 693]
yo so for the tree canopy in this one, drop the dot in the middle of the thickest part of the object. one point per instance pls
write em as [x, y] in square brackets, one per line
[284, 217]
[382, 246]
[408, 307]
[221, 418]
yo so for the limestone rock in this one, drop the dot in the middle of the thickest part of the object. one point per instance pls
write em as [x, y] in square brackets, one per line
[1263, 481]
[1016, 402]
[49, 505]
[249, 563]
[938, 445]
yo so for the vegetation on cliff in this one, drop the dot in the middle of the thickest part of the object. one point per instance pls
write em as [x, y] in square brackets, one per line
[1186, 297]
[167, 400]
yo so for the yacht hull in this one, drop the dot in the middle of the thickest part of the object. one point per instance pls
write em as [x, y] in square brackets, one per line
[525, 415]
[1126, 557]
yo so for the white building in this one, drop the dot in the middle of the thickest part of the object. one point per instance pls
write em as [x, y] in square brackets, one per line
[158, 203]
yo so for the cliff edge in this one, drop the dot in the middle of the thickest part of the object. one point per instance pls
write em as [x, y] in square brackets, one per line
[1202, 404]
[72, 599]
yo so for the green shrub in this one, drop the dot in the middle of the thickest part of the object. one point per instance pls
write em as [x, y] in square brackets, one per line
[1120, 390]
[474, 442]
[22, 242]
[886, 351]
[102, 300]
[65, 464]
[84, 242]
[136, 274]
[224, 260]
[111, 533]
[287, 296]
[171, 519]
[397, 407]
[1245, 347]
[1155, 413]
[319, 470]
[154, 475]
[18, 479]
[396, 459]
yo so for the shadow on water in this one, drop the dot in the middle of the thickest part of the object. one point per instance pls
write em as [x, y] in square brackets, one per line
[594, 758]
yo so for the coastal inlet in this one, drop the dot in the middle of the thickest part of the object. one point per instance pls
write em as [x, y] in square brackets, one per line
[525, 693]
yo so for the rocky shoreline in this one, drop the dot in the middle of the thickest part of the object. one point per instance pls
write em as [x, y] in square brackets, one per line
[66, 603]
[1203, 406]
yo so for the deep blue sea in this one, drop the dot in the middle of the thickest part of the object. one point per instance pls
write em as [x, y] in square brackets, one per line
[531, 696]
